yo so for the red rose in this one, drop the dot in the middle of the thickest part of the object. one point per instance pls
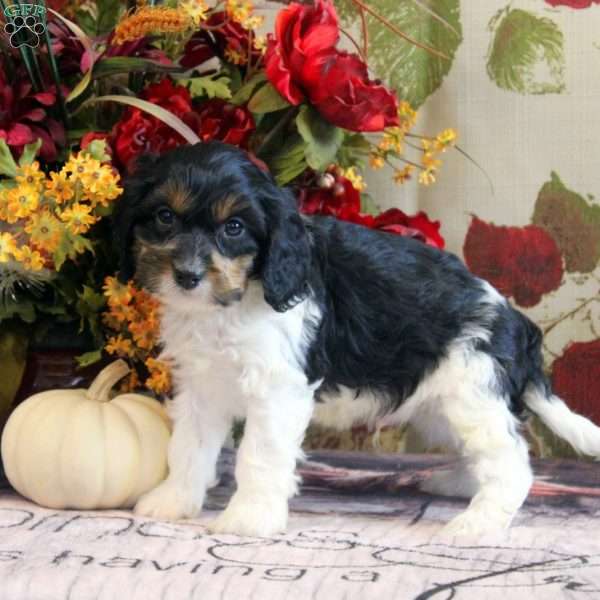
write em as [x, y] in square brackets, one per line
[174, 98]
[418, 226]
[302, 62]
[576, 378]
[522, 262]
[572, 3]
[339, 87]
[216, 119]
[300, 32]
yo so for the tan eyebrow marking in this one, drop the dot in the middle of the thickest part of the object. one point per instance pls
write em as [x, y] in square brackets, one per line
[178, 196]
[225, 207]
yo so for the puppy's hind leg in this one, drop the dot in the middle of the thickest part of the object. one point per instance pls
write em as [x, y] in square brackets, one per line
[476, 421]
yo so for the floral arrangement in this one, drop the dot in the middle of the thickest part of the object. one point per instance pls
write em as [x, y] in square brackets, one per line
[110, 81]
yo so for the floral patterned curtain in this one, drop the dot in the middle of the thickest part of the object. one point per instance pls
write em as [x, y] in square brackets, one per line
[521, 84]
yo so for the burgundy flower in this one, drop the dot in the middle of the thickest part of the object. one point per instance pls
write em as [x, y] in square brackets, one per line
[220, 34]
[573, 3]
[303, 63]
[340, 200]
[24, 116]
[576, 378]
[216, 119]
[522, 262]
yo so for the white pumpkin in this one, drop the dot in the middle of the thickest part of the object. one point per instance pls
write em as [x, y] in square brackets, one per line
[80, 449]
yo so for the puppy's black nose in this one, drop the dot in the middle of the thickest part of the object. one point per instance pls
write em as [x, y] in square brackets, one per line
[187, 280]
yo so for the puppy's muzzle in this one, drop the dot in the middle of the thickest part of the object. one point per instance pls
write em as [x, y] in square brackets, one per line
[187, 280]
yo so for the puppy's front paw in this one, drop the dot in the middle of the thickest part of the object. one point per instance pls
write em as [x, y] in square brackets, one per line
[252, 516]
[170, 501]
[475, 523]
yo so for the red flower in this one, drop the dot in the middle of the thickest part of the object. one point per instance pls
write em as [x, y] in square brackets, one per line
[24, 117]
[572, 3]
[522, 262]
[302, 62]
[418, 226]
[300, 33]
[174, 98]
[576, 378]
[342, 201]
[216, 119]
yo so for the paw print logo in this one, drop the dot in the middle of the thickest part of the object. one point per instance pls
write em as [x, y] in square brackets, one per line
[24, 31]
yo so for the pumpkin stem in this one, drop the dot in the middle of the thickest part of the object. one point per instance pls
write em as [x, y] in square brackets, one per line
[106, 379]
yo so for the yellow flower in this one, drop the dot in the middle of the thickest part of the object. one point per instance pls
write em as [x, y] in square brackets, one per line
[427, 177]
[376, 161]
[76, 165]
[235, 57]
[8, 247]
[120, 346]
[59, 188]
[144, 333]
[238, 10]
[252, 23]
[78, 218]
[196, 10]
[407, 115]
[402, 175]
[260, 43]
[160, 377]
[116, 292]
[44, 231]
[23, 200]
[32, 260]
[393, 139]
[446, 138]
[30, 175]
[358, 183]
[429, 161]
[100, 185]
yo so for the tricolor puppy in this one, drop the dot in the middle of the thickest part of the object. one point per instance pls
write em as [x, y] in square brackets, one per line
[277, 318]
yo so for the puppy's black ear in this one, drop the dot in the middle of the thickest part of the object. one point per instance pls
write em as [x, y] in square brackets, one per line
[135, 188]
[286, 265]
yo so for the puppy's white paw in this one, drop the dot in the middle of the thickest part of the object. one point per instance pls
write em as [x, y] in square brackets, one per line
[169, 502]
[475, 523]
[252, 516]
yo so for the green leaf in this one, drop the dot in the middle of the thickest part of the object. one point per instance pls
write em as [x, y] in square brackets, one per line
[526, 53]
[415, 73]
[290, 161]
[29, 152]
[89, 358]
[212, 86]
[156, 111]
[85, 39]
[24, 309]
[97, 149]
[116, 65]
[353, 151]
[368, 205]
[266, 100]
[322, 138]
[13, 356]
[108, 15]
[8, 166]
[572, 222]
[243, 94]
[81, 86]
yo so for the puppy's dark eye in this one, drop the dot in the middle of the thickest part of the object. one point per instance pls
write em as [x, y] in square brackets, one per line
[165, 216]
[234, 228]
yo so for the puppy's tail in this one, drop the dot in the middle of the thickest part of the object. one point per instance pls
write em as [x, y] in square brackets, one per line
[580, 432]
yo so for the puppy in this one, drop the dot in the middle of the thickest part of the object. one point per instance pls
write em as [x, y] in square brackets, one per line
[277, 318]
